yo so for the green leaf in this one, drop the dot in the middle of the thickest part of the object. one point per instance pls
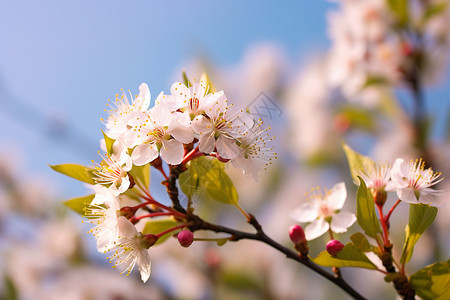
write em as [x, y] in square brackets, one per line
[433, 281]
[141, 174]
[206, 177]
[75, 171]
[159, 225]
[78, 204]
[209, 86]
[400, 10]
[109, 143]
[189, 182]
[358, 117]
[357, 162]
[375, 80]
[365, 211]
[349, 256]
[421, 216]
[10, 290]
[221, 242]
[186, 80]
[360, 241]
[434, 10]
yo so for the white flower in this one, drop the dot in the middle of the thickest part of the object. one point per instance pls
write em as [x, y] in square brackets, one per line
[255, 153]
[116, 124]
[193, 100]
[321, 209]
[130, 249]
[413, 182]
[376, 175]
[219, 128]
[159, 131]
[114, 172]
[104, 218]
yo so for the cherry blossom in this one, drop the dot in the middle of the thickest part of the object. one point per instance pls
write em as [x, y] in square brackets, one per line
[413, 182]
[130, 249]
[321, 211]
[117, 122]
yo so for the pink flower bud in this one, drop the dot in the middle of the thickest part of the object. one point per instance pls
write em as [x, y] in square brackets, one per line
[334, 247]
[185, 238]
[297, 234]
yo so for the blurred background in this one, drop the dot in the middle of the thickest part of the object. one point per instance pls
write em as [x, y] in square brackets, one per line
[319, 73]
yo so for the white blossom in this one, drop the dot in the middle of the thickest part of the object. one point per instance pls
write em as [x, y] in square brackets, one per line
[130, 249]
[220, 127]
[123, 110]
[255, 153]
[159, 132]
[102, 212]
[321, 211]
[413, 182]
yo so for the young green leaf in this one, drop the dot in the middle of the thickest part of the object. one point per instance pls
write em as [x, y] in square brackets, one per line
[109, 143]
[365, 211]
[400, 10]
[360, 241]
[433, 281]
[209, 86]
[349, 256]
[159, 225]
[75, 171]
[434, 10]
[357, 162]
[207, 178]
[78, 204]
[186, 80]
[189, 181]
[141, 174]
[421, 216]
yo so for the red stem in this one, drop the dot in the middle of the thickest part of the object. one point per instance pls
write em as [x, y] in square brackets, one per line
[173, 229]
[193, 154]
[173, 211]
[163, 172]
[157, 214]
[391, 210]
[384, 225]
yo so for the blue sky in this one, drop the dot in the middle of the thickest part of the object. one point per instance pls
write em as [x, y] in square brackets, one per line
[62, 60]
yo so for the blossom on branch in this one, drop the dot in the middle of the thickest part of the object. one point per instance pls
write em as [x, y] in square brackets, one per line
[322, 211]
[413, 182]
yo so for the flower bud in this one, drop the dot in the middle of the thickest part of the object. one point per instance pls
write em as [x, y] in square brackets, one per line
[379, 196]
[185, 238]
[149, 240]
[297, 234]
[334, 247]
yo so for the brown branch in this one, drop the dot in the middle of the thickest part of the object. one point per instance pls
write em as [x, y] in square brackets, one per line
[236, 235]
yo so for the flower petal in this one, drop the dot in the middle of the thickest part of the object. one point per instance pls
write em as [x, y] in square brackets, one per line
[227, 148]
[143, 154]
[304, 213]
[407, 195]
[172, 152]
[337, 196]
[207, 143]
[144, 264]
[316, 229]
[341, 221]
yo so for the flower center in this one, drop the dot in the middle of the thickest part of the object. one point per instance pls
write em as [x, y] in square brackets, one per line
[193, 104]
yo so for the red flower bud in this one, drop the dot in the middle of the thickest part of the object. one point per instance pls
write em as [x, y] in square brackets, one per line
[334, 247]
[297, 234]
[185, 238]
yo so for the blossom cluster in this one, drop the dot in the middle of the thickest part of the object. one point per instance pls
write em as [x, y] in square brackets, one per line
[373, 43]
[138, 135]
[186, 114]
[410, 180]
